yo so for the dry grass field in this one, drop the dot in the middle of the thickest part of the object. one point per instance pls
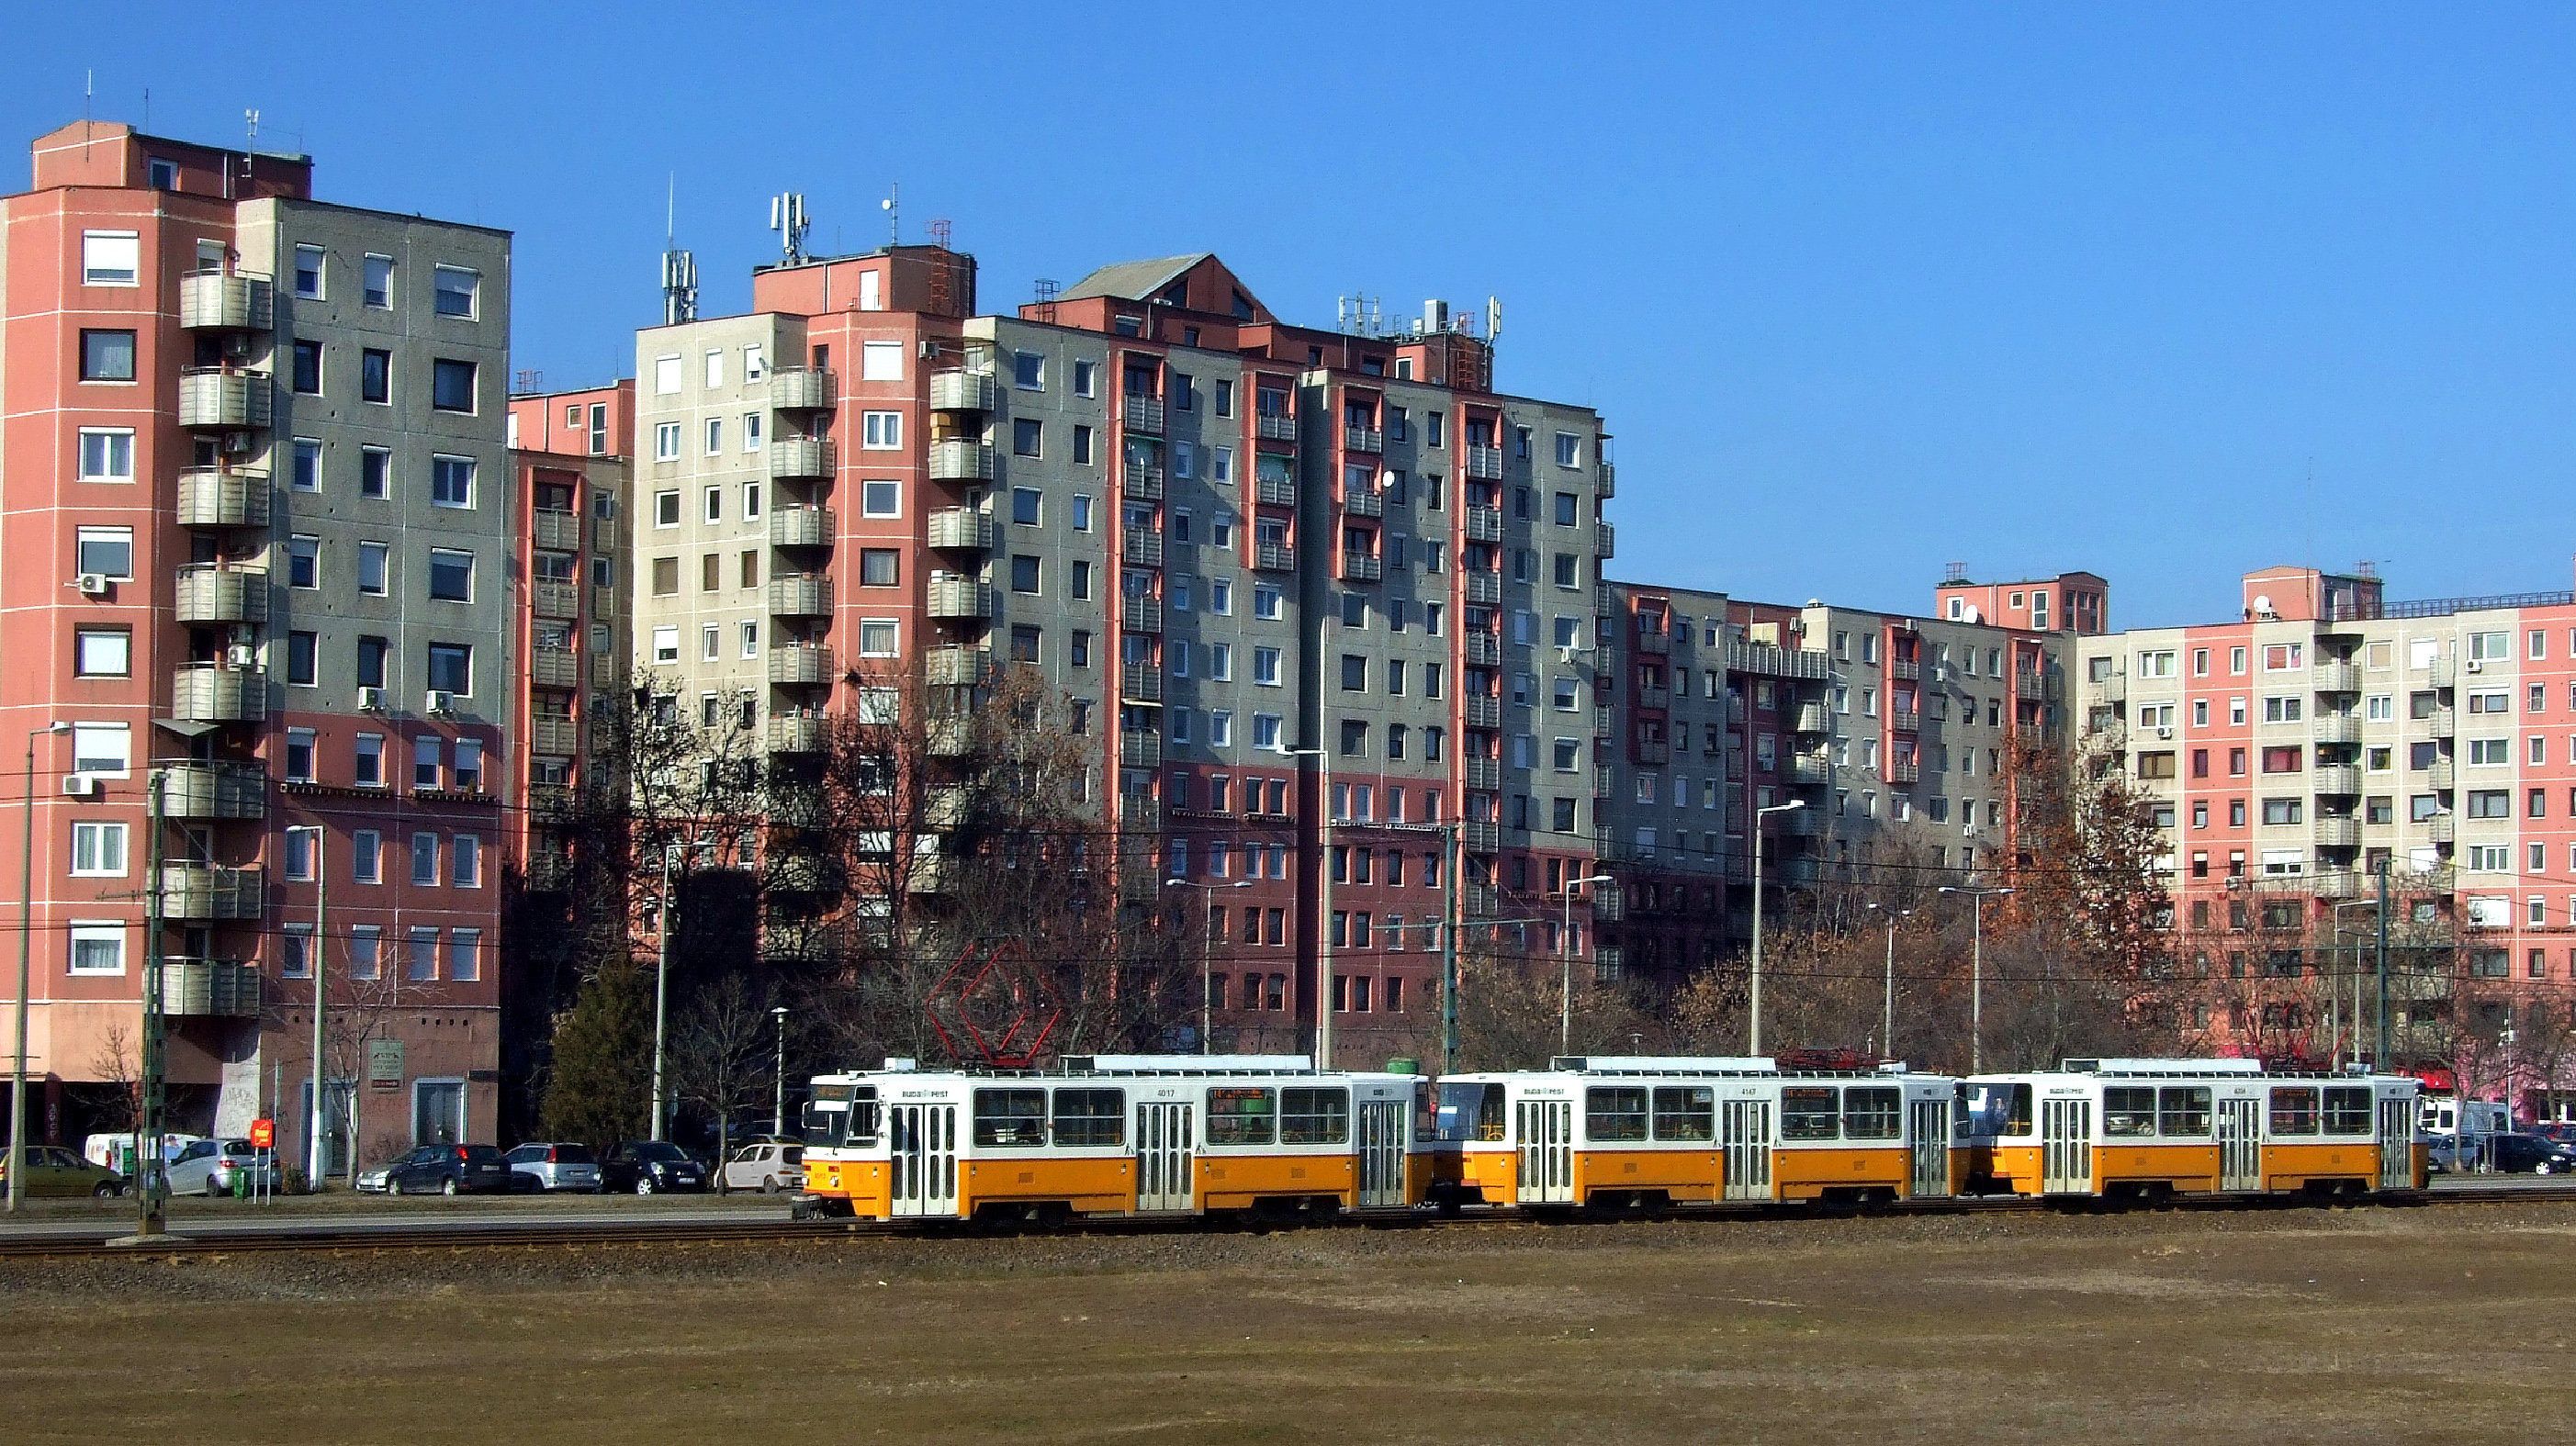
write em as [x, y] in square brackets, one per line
[2435, 1324]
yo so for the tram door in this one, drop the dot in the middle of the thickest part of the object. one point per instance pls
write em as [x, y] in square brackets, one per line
[1744, 1140]
[924, 1142]
[2240, 1144]
[1546, 1151]
[1929, 1134]
[1166, 1177]
[1382, 1125]
[2396, 1145]
[2066, 1147]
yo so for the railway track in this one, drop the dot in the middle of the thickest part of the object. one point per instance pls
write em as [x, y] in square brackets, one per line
[355, 1238]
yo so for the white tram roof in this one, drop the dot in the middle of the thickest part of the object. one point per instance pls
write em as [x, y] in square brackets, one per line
[1189, 1064]
[2162, 1066]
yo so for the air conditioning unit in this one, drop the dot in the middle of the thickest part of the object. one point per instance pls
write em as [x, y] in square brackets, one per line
[79, 785]
[91, 584]
[237, 443]
[241, 655]
[2164, 731]
[371, 700]
[441, 703]
[2476, 665]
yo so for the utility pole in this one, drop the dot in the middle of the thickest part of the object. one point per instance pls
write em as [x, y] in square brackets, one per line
[778, 1096]
[1976, 969]
[1565, 962]
[26, 938]
[1753, 1030]
[1449, 851]
[2379, 1059]
[155, 1184]
[661, 985]
[316, 1162]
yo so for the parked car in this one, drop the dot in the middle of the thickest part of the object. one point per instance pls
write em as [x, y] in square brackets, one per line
[2563, 1131]
[2529, 1155]
[210, 1167]
[767, 1166]
[379, 1180]
[648, 1166]
[55, 1171]
[450, 1170]
[556, 1166]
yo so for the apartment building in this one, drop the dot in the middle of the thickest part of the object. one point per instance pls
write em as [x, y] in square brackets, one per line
[1278, 573]
[255, 512]
[2325, 732]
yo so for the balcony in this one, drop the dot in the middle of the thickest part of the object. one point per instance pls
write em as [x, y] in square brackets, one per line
[1811, 718]
[1140, 547]
[1484, 464]
[953, 667]
[2439, 673]
[209, 989]
[213, 593]
[1605, 540]
[1480, 901]
[1484, 524]
[2339, 779]
[555, 531]
[1140, 683]
[960, 597]
[2337, 728]
[2442, 775]
[1364, 502]
[1774, 662]
[1275, 427]
[800, 596]
[800, 457]
[1604, 781]
[961, 529]
[209, 791]
[1650, 695]
[1142, 615]
[210, 498]
[1275, 492]
[1904, 774]
[1138, 749]
[1485, 774]
[1363, 439]
[222, 400]
[555, 597]
[1362, 567]
[1654, 640]
[1484, 711]
[930, 874]
[1609, 480]
[944, 807]
[1653, 752]
[2445, 720]
[2029, 684]
[962, 391]
[956, 461]
[1138, 809]
[803, 389]
[951, 737]
[2108, 688]
[801, 666]
[801, 527]
[1140, 481]
[550, 801]
[1605, 722]
[1485, 588]
[204, 893]
[798, 733]
[2338, 677]
[1805, 823]
[2338, 831]
[2336, 883]
[213, 301]
[1482, 836]
[1143, 414]
[1811, 770]
[2441, 828]
[1484, 650]
[1905, 720]
[800, 807]
[553, 735]
[554, 667]
[213, 693]
[1273, 557]
[796, 873]
[1905, 670]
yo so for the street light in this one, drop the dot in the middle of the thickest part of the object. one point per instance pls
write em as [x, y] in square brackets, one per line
[1976, 969]
[1565, 957]
[1207, 954]
[1324, 905]
[1887, 1024]
[2334, 1006]
[662, 981]
[778, 1098]
[1754, 1027]
[26, 939]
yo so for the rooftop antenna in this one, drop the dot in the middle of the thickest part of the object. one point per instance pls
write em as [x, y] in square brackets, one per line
[679, 268]
[939, 233]
[1493, 319]
[1046, 293]
[250, 118]
[787, 218]
[894, 214]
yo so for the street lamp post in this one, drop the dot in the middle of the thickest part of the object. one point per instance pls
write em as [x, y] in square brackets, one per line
[1976, 969]
[1565, 958]
[26, 943]
[1887, 1020]
[2334, 982]
[1324, 927]
[1754, 1002]
[662, 983]
[1207, 951]
[778, 1095]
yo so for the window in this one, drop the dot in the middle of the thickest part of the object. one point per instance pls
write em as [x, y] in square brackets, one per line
[466, 852]
[451, 668]
[451, 385]
[1028, 371]
[107, 454]
[304, 372]
[1613, 1114]
[366, 951]
[666, 443]
[715, 434]
[115, 258]
[308, 272]
[98, 850]
[102, 653]
[451, 575]
[451, 481]
[97, 947]
[880, 499]
[1024, 573]
[424, 859]
[367, 767]
[375, 471]
[877, 637]
[454, 290]
[423, 965]
[1084, 375]
[881, 431]
[1810, 1112]
[2294, 1110]
[378, 284]
[465, 955]
[106, 356]
[1872, 1112]
[302, 665]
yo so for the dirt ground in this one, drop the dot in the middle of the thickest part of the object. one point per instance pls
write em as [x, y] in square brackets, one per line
[2426, 1324]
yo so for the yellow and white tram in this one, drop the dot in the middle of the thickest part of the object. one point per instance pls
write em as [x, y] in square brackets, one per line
[1113, 1135]
[1632, 1131]
[2125, 1127]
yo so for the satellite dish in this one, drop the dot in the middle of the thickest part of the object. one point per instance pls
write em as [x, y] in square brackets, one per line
[1973, 615]
[2262, 602]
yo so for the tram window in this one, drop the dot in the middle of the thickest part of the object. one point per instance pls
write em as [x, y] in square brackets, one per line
[1873, 1112]
[1314, 1117]
[1241, 1115]
[2129, 1112]
[1470, 1112]
[826, 1113]
[1011, 1119]
[2183, 1110]
[1997, 1109]
[2294, 1110]
[2348, 1110]
[1090, 1116]
[1685, 1112]
[1613, 1113]
[1810, 1112]
[1426, 1121]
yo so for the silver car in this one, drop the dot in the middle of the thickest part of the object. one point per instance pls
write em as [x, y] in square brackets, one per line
[557, 1166]
[209, 1167]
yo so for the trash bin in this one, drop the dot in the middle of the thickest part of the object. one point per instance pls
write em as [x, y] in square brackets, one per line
[241, 1184]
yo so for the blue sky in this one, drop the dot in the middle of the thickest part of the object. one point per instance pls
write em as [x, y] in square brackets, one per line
[2167, 293]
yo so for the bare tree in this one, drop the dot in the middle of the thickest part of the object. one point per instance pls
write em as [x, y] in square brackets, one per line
[722, 1059]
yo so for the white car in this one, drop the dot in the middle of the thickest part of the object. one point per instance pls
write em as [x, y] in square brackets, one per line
[769, 1167]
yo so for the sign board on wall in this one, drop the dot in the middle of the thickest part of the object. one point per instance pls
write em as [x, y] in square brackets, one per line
[385, 1063]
